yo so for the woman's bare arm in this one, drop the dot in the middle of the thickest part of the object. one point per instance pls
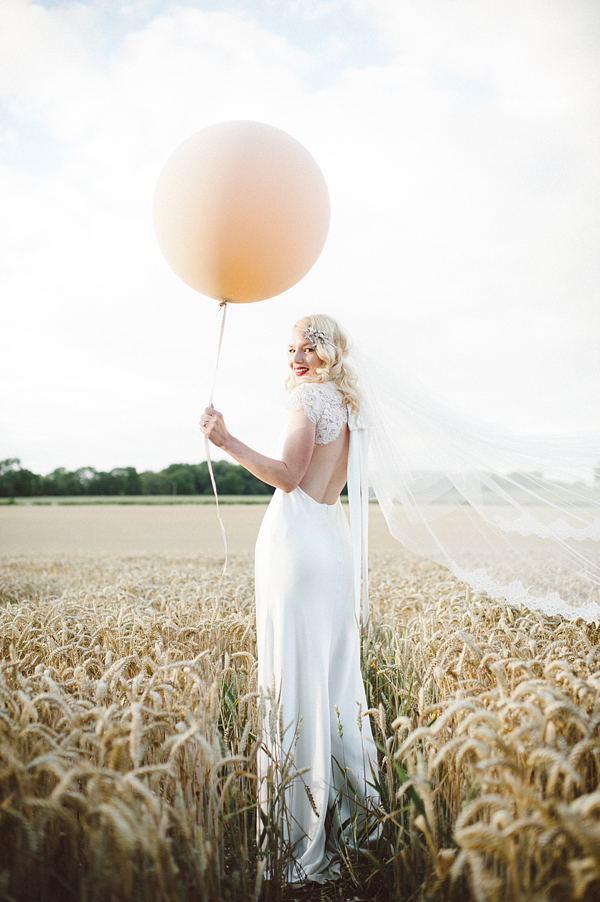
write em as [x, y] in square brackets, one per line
[286, 473]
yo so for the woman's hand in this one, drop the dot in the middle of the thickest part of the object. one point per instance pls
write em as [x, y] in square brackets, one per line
[213, 426]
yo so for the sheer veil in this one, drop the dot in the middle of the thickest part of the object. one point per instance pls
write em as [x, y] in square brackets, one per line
[516, 516]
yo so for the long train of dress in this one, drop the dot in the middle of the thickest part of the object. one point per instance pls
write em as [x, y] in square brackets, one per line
[309, 655]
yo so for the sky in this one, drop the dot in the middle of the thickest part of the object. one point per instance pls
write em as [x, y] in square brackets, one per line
[460, 143]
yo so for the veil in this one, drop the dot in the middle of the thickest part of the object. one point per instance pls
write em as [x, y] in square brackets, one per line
[515, 516]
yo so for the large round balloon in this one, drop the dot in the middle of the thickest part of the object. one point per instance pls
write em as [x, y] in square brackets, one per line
[241, 211]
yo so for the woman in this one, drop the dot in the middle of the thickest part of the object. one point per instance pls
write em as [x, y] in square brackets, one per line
[318, 756]
[513, 516]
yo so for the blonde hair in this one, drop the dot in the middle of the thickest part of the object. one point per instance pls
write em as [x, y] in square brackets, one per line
[333, 355]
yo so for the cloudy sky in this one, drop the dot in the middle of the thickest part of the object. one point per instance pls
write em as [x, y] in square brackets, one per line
[460, 142]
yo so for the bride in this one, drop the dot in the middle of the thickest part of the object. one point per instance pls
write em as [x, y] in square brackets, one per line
[318, 758]
[516, 517]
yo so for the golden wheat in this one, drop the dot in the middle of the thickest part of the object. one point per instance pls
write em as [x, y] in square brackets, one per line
[130, 724]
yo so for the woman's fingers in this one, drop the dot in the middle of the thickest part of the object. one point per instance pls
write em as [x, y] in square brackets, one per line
[209, 416]
[212, 425]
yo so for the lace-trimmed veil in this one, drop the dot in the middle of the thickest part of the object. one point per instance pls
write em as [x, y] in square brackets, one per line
[515, 516]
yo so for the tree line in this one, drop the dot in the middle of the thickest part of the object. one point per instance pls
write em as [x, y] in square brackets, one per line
[176, 479]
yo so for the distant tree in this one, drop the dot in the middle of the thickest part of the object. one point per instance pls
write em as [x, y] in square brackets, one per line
[16, 482]
[229, 480]
[155, 483]
[8, 471]
[9, 465]
[181, 477]
[130, 481]
[253, 485]
[102, 483]
[119, 481]
[176, 479]
[86, 476]
[62, 482]
[202, 479]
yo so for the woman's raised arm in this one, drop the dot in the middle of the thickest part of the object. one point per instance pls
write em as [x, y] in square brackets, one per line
[285, 474]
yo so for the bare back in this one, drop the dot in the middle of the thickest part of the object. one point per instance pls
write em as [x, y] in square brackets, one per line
[326, 474]
[323, 405]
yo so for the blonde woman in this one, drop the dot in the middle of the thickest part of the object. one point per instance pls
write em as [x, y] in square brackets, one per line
[307, 630]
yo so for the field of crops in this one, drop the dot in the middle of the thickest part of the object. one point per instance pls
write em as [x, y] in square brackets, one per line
[129, 728]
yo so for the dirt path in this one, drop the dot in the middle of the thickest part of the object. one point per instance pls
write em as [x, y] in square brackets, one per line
[131, 529]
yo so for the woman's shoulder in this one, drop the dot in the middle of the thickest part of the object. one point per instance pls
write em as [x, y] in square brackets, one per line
[317, 400]
[307, 396]
[315, 391]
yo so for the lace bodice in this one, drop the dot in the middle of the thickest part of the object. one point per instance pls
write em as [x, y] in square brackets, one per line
[323, 404]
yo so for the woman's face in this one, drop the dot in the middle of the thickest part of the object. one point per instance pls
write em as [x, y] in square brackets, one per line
[302, 357]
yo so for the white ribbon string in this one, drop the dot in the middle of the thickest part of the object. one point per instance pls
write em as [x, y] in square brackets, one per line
[358, 501]
[223, 307]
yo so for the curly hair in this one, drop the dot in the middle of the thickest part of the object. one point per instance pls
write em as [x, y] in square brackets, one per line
[333, 354]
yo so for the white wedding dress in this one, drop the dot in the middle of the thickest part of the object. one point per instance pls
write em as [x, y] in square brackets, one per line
[317, 764]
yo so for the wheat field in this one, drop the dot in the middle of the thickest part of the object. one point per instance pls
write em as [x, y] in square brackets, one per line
[130, 724]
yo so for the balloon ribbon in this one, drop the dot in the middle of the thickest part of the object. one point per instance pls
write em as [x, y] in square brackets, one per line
[223, 307]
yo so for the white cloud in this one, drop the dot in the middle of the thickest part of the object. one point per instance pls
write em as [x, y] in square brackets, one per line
[464, 185]
[487, 113]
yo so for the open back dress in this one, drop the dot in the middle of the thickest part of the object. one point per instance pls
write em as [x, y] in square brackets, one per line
[318, 758]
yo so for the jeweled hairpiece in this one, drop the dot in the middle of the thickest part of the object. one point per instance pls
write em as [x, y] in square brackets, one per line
[315, 335]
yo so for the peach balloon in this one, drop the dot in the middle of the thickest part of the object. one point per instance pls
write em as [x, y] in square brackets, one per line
[241, 211]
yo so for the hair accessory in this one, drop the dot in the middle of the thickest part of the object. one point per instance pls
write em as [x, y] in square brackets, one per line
[315, 335]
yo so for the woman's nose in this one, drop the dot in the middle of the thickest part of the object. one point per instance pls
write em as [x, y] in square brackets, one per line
[298, 356]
